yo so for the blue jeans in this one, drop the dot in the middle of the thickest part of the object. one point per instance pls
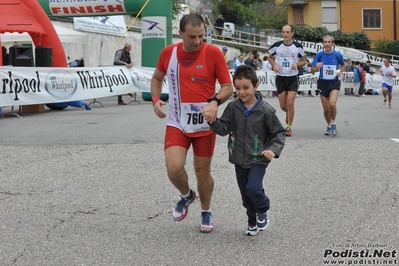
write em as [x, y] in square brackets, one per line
[254, 199]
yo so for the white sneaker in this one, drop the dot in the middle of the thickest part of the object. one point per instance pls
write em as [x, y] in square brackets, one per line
[262, 220]
[252, 230]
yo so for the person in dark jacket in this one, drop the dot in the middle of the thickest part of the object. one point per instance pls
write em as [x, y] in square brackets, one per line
[250, 61]
[366, 67]
[6, 56]
[220, 24]
[122, 57]
[256, 136]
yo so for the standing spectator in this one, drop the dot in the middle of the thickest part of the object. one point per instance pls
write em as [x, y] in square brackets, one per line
[239, 61]
[224, 51]
[220, 24]
[357, 78]
[122, 57]
[368, 70]
[352, 90]
[258, 61]
[286, 57]
[6, 56]
[366, 67]
[301, 71]
[306, 70]
[192, 68]
[267, 66]
[250, 61]
[348, 68]
[388, 73]
[362, 80]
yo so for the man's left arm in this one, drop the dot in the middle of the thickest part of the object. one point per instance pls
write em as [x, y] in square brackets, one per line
[210, 111]
[393, 73]
[224, 78]
[301, 58]
[225, 92]
[341, 67]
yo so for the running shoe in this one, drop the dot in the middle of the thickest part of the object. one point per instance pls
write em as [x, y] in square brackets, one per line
[334, 129]
[181, 209]
[206, 222]
[328, 131]
[288, 132]
[385, 101]
[262, 220]
[252, 230]
[389, 106]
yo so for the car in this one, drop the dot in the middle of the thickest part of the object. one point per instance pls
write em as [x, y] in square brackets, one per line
[228, 30]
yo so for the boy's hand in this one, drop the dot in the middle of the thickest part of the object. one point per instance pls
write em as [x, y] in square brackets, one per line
[268, 154]
[210, 112]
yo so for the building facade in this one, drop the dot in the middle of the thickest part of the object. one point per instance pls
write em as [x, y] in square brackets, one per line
[377, 18]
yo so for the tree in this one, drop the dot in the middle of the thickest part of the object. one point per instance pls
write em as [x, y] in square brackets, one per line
[382, 45]
[176, 7]
[259, 13]
[234, 11]
[386, 46]
[271, 15]
[357, 40]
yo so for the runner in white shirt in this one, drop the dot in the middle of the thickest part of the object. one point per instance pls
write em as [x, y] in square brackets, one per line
[285, 57]
[388, 73]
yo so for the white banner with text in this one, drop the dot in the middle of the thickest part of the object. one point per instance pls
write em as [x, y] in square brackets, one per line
[41, 85]
[112, 25]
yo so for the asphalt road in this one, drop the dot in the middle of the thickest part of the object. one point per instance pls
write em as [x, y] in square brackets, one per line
[90, 188]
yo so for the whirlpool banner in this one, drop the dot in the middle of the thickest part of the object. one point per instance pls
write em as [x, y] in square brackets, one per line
[40, 85]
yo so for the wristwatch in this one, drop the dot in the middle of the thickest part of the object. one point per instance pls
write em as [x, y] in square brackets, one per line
[214, 98]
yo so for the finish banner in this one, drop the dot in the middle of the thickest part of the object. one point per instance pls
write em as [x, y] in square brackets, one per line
[41, 85]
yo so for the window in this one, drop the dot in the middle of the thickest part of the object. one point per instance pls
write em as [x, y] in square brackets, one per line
[298, 15]
[371, 18]
[329, 14]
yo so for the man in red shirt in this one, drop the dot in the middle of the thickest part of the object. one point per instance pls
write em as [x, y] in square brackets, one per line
[192, 68]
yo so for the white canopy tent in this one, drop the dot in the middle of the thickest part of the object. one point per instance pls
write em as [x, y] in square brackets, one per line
[66, 36]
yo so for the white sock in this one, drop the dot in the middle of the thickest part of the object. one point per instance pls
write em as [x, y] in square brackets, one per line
[187, 195]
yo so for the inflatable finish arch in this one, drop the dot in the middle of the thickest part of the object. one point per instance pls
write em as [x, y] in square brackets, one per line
[156, 17]
[28, 16]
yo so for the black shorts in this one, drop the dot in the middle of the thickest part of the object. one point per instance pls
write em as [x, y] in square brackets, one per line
[286, 84]
[326, 86]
